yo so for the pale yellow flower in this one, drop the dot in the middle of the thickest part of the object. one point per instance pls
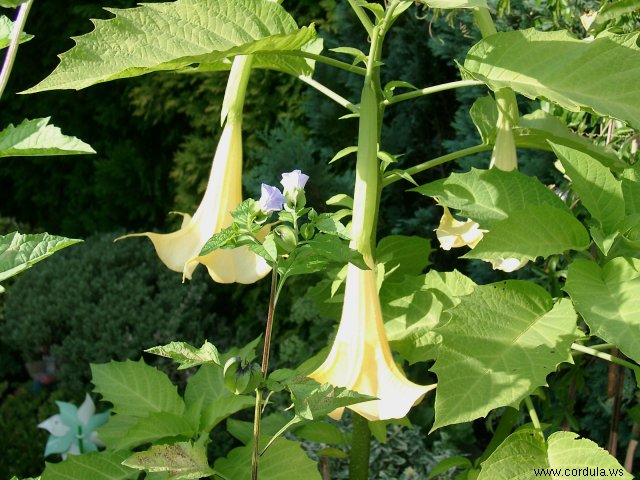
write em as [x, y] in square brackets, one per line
[360, 358]
[453, 233]
[179, 250]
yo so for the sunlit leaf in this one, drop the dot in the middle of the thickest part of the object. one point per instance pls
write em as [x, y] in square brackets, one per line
[607, 298]
[93, 465]
[186, 355]
[500, 344]
[182, 460]
[37, 137]
[172, 36]
[525, 452]
[135, 388]
[6, 25]
[576, 74]
[19, 252]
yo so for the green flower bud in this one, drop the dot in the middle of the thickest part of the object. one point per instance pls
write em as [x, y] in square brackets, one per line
[239, 378]
[285, 238]
[307, 231]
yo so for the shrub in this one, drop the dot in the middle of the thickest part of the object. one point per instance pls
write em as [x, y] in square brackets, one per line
[100, 301]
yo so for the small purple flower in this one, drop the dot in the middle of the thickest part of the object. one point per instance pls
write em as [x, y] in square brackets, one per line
[271, 199]
[293, 181]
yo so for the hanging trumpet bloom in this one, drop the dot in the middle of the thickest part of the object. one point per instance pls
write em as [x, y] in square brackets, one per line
[453, 233]
[360, 358]
[179, 250]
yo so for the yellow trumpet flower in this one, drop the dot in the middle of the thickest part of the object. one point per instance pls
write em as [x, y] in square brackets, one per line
[453, 233]
[179, 250]
[360, 358]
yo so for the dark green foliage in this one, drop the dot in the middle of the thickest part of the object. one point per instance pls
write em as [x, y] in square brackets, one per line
[21, 442]
[102, 301]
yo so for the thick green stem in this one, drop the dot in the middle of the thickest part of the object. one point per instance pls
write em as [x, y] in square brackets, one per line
[394, 177]
[236, 91]
[533, 414]
[14, 42]
[429, 90]
[360, 449]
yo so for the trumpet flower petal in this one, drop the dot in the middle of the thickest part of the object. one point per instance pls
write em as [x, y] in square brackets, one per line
[179, 250]
[361, 359]
[453, 233]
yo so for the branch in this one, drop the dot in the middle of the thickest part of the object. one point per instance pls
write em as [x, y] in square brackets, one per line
[430, 90]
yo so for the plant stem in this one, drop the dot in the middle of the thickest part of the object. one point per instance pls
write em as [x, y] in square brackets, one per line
[360, 449]
[257, 414]
[532, 414]
[340, 100]
[362, 16]
[503, 430]
[606, 356]
[14, 42]
[327, 60]
[394, 177]
[429, 90]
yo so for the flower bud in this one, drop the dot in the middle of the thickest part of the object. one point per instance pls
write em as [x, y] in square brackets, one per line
[285, 238]
[239, 378]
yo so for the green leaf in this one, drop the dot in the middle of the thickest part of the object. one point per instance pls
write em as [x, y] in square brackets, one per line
[155, 427]
[136, 389]
[93, 465]
[631, 189]
[488, 196]
[37, 137]
[484, 114]
[269, 426]
[10, 3]
[525, 452]
[607, 299]
[6, 26]
[527, 234]
[536, 129]
[174, 35]
[500, 344]
[313, 401]
[19, 252]
[207, 386]
[283, 460]
[341, 200]
[407, 255]
[187, 355]
[219, 240]
[607, 12]
[575, 74]
[446, 4]
[599, 190]
[343, 153]
[449, 463]
[112, 432]
[321, 432]
[182, 460]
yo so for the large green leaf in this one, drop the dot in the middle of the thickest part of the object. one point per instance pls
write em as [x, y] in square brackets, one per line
[94, 466]
[488, 196]
[207, 387]
[609, 11]
[403, 254]
[599, 190]
[607, 298]
[536, 129]
[155, 427]
[136, 389]
[182, 460]
[414, 306]
[172, 36]
[283, 460]
[576, 74]
[37, 137]
[447, 4]
[631, 189]
[10, 3]
[525, 454]
[535, 231]
[500, 344]
[6, 26]
[19, 252]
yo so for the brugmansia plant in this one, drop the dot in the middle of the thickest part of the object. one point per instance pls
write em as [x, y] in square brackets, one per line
[490, 346]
